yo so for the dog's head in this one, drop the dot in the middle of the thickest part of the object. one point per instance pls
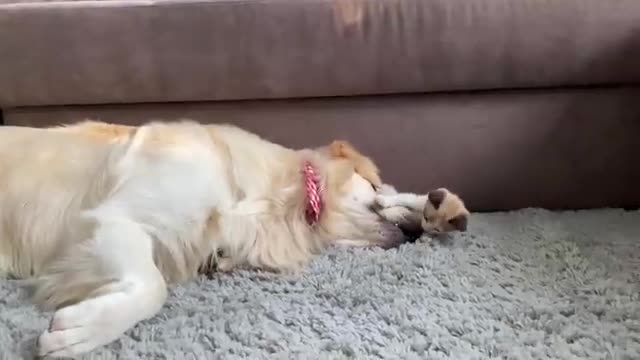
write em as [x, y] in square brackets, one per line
[353, 181]
[444, 211]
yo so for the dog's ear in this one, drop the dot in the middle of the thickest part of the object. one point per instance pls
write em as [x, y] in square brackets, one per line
[339, 172]
[364, 166]
[336, 148]
[436, 197]
[459, 222]
[345, 150]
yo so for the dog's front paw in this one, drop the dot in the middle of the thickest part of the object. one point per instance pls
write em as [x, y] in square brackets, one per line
[386, 189]
[80, 328]
[384, 201]
[396, 214]
[70, 334]
[66, 343]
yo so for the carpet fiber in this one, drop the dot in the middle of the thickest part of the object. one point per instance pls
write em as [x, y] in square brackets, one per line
[531, 284]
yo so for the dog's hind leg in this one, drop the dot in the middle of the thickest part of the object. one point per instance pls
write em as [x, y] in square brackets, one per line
[130, 289]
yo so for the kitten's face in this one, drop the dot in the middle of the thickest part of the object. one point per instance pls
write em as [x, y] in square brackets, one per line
[444, 212]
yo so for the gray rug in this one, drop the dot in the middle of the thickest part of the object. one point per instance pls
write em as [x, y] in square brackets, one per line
[525, 285]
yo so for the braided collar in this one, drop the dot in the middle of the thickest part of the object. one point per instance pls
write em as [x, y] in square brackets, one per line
[313, 192]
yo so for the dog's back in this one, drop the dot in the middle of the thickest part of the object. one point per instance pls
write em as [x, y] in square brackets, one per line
[46, 177]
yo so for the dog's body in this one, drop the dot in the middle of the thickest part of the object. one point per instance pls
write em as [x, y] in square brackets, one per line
[99, 218]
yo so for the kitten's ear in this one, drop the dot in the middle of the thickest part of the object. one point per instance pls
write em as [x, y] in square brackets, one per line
[436, 197]
[459, 222]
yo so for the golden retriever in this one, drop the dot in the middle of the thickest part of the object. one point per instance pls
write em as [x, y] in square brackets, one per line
[99, 218]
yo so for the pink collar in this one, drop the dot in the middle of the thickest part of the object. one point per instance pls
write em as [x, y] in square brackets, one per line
[313, 194]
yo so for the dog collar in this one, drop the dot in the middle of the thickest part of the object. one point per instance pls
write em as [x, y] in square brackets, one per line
[313, 191]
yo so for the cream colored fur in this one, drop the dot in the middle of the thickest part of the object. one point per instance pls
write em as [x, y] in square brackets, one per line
[99, 218]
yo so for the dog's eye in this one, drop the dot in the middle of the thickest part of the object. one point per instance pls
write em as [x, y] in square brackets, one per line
[375, 188]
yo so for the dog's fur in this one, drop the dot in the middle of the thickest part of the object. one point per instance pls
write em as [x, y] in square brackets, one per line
[363, 165]
[99, 218]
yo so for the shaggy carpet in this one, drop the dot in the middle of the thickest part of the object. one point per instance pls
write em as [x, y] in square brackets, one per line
[531, 284]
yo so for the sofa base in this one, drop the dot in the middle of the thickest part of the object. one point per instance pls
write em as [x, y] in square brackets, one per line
[561, 149]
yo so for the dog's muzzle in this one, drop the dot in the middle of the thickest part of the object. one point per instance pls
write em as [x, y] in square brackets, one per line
[392, 236]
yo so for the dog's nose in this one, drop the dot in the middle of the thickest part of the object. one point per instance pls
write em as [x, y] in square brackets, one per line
[394, 236]
[412, 235]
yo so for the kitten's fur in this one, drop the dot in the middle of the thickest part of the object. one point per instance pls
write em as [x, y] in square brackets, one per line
[438, 211]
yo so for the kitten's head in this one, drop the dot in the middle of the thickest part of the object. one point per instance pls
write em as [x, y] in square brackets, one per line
[444, 212]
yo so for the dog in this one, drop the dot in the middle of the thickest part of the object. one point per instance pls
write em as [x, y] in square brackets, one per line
[98, 219]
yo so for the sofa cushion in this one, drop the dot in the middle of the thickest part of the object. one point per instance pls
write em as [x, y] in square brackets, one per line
[500, 150]
[88, 52]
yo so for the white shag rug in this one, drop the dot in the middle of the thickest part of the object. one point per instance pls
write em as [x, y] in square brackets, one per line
[530, 284]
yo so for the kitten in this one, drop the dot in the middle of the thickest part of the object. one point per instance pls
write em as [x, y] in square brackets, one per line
[438, 211]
